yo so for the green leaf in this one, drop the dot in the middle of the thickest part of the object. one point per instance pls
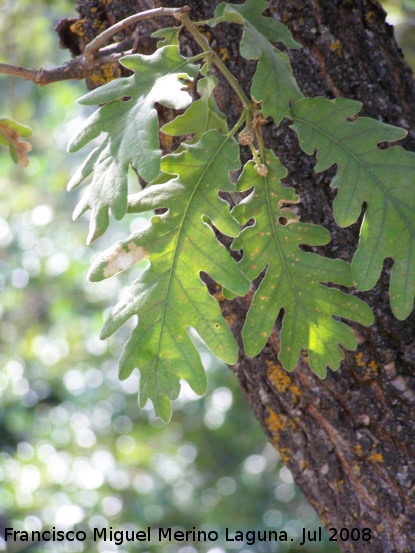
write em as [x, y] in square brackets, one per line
[273, 82]
[11, 134]
[365, 173]
[203, 115]
[250, 15]
[293, 278]
[170, 36]
[169, 297]
[132, 131]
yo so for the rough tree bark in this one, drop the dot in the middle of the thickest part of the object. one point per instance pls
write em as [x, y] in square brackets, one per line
[348, 439]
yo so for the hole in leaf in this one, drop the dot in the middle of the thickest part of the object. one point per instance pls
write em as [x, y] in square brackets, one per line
[282, 221]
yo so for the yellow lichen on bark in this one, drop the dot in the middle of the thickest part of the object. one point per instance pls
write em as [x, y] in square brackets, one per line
[277, 424]
[376, 457]
[281, 379]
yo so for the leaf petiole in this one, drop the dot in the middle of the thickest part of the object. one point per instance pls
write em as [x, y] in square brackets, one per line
[241, 119]
[200, 56]
[203, 43]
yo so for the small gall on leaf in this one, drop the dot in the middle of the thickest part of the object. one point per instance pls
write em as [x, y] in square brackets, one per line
[246, 137]
[262, 170]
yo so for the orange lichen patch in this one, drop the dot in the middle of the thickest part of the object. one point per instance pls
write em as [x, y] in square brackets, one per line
[218, 293]
[359, 359]
[376, 457]
[167, 141]
[98, 24]
[370, 371]
[106, 73]
[78, 27]
[370, 368]
[285, 454]
[223, 53]
[325, 517]
[228, 314]
[358, 449]
[277, 424]
[281, 380]
[356, 469]
[219, 296]
[338, 484]
[337, 47]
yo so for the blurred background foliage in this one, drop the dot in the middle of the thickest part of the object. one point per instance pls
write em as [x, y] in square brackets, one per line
[75, 450]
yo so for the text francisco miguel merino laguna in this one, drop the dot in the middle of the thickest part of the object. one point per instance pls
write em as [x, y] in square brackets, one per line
[119, 537]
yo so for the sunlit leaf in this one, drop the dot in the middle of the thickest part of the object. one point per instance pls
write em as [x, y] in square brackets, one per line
[170, 297]
[293, 278]
[366, 174]
[169, 36]
[129, 119]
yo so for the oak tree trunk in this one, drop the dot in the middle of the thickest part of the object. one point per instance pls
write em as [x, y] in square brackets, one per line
[349, 439]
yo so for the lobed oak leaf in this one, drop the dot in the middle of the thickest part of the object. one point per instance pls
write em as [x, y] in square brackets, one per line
[273, 83]
[380, 178]
[170, 297]
[129, 119]
[293, 279]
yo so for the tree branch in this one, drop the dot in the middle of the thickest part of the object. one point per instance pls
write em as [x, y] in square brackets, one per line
[85, 65]
[101, 39]
[72, 69]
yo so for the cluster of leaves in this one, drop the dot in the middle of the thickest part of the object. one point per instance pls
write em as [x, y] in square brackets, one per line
[179, 243]
[74, 448]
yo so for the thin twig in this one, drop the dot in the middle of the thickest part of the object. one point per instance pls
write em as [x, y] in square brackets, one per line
[85, 65]
[72, 69]
[76, 69]
[204, 44]
[100, 40]
[23, 72]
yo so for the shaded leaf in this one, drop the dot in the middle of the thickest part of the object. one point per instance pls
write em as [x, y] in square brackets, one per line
[169, 297]
[250, 15]
[365, 173]
[11, 134]
[273, 83]
[170, 36]
[293, 278]
[132, 131]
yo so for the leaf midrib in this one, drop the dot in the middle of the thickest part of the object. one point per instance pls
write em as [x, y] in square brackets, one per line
[300, 303]
[177, 241]
[365, 167]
